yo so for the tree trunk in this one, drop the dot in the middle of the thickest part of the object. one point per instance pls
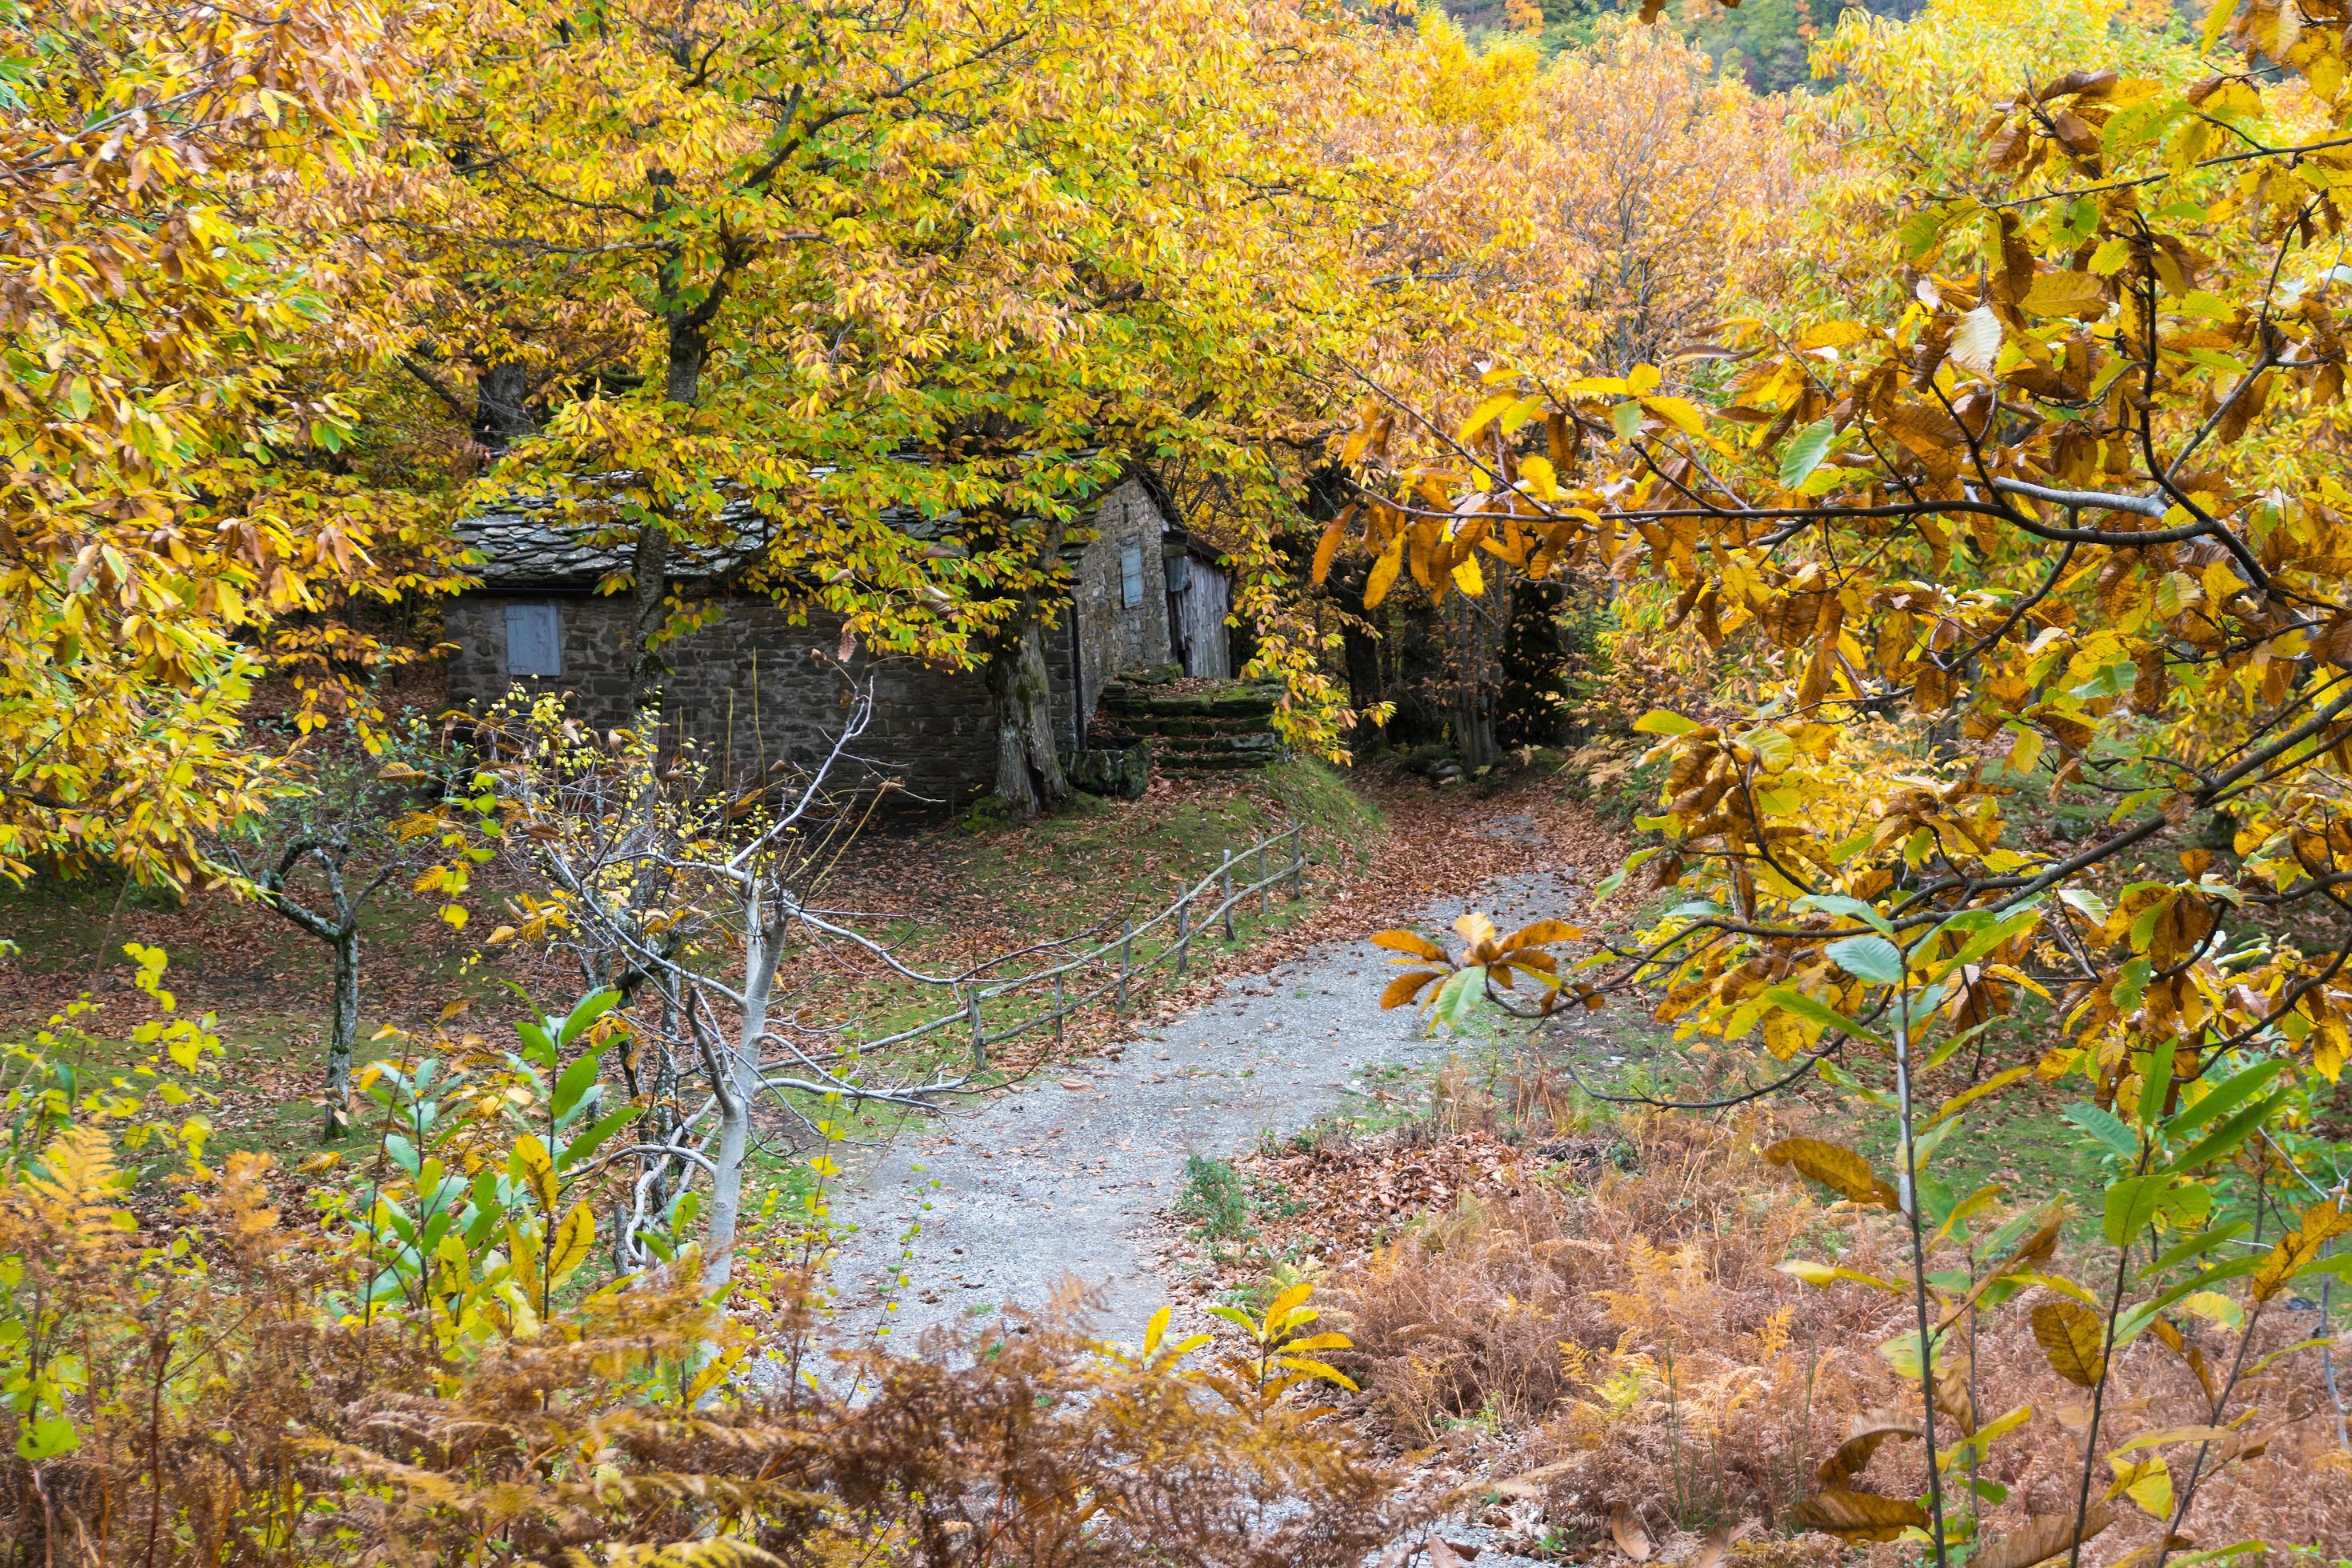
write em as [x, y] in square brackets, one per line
[727, 1182]
[343, 1029]
[649, 595]
[1473, 731]
[1413, 673]
[662, 1094]
[1530, 706]
[1029, 775]
[1360, 645]
[500, 416]
[737, 1089]
[1471, 691]
[689, 343]
[1028, 768]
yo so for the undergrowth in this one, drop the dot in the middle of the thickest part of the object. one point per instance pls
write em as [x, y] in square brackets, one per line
[1594, 1317]
[423, 1354]
[1621, 1332]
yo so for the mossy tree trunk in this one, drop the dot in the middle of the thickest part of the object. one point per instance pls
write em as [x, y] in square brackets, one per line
[687, 307]
[343, 1028]
[1029, 777]
[1470, 685]
[1360, 643]
[1534, 667]
[337, 924]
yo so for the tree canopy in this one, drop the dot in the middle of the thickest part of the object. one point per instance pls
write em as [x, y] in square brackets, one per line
[1952, 453]
[187, 308]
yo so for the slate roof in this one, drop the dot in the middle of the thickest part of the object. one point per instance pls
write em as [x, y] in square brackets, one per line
[528, 545]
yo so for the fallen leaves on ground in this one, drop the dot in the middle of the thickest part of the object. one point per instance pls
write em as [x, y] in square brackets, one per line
[1342, 1197]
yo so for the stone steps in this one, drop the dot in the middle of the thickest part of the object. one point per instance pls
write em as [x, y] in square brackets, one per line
[1218, 728]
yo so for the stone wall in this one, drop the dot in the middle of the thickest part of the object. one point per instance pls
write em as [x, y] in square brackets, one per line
[753, 688]
[1113, 636]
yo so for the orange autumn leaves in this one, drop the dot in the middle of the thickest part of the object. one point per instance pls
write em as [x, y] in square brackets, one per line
[1487, 959]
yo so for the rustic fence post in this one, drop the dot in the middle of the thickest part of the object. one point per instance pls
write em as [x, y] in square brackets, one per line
[979, 1037]
[1125, 936]
[1258, 874]
[1297, 866]
[1059, 1016]
[1183, 936]
[1225, 893]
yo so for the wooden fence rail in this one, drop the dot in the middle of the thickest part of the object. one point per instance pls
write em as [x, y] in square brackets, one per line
[1114, 969]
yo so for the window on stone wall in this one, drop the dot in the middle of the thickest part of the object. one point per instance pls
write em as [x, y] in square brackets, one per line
[534, 640]
[1130, 575]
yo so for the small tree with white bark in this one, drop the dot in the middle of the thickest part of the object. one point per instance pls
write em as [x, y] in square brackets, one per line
[691, 904]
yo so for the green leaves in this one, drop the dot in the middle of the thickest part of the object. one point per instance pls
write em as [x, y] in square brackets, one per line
[46, 1437]
[1971, 1449]
[2192, 1247]
[2219, 1099]
[594, 1136]
[1853, 908]
[577, 1092]
[1922, 229]
[2111, 680]
[1458, 998]
[1805, 452]
[589, 1008]
[2154, 1082]
[2135, 1321]
[1791, 1000]
[2112, 1133]
[1871, 958]
[2132, 1206]
[572, 1086]
[2224, 1139]
[538, 1044]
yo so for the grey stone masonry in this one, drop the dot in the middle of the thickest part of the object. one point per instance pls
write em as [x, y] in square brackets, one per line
[1112, 634]
[1199, 726]
[749, 689]
[753, 687]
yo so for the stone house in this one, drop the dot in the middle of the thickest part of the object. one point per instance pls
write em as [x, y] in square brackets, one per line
[751, 687]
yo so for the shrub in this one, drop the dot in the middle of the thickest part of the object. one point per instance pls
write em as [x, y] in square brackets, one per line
[1638, 1330]
[1215, 1198]
[1640, 1346]
[438, 1363]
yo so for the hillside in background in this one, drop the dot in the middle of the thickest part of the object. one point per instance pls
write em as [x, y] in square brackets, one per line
[1765, 41]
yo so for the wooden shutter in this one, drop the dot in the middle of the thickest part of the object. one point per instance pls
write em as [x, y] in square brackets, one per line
[534, 640]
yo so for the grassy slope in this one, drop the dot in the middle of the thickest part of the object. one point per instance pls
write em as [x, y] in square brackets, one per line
[982, 890]
[960, 897]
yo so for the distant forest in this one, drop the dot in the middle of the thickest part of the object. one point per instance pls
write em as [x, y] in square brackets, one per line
[1765, 41]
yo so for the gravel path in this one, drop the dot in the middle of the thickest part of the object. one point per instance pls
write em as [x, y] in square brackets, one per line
[1009, 1200]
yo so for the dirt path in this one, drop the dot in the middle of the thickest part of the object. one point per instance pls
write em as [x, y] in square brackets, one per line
[1063, 1180]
